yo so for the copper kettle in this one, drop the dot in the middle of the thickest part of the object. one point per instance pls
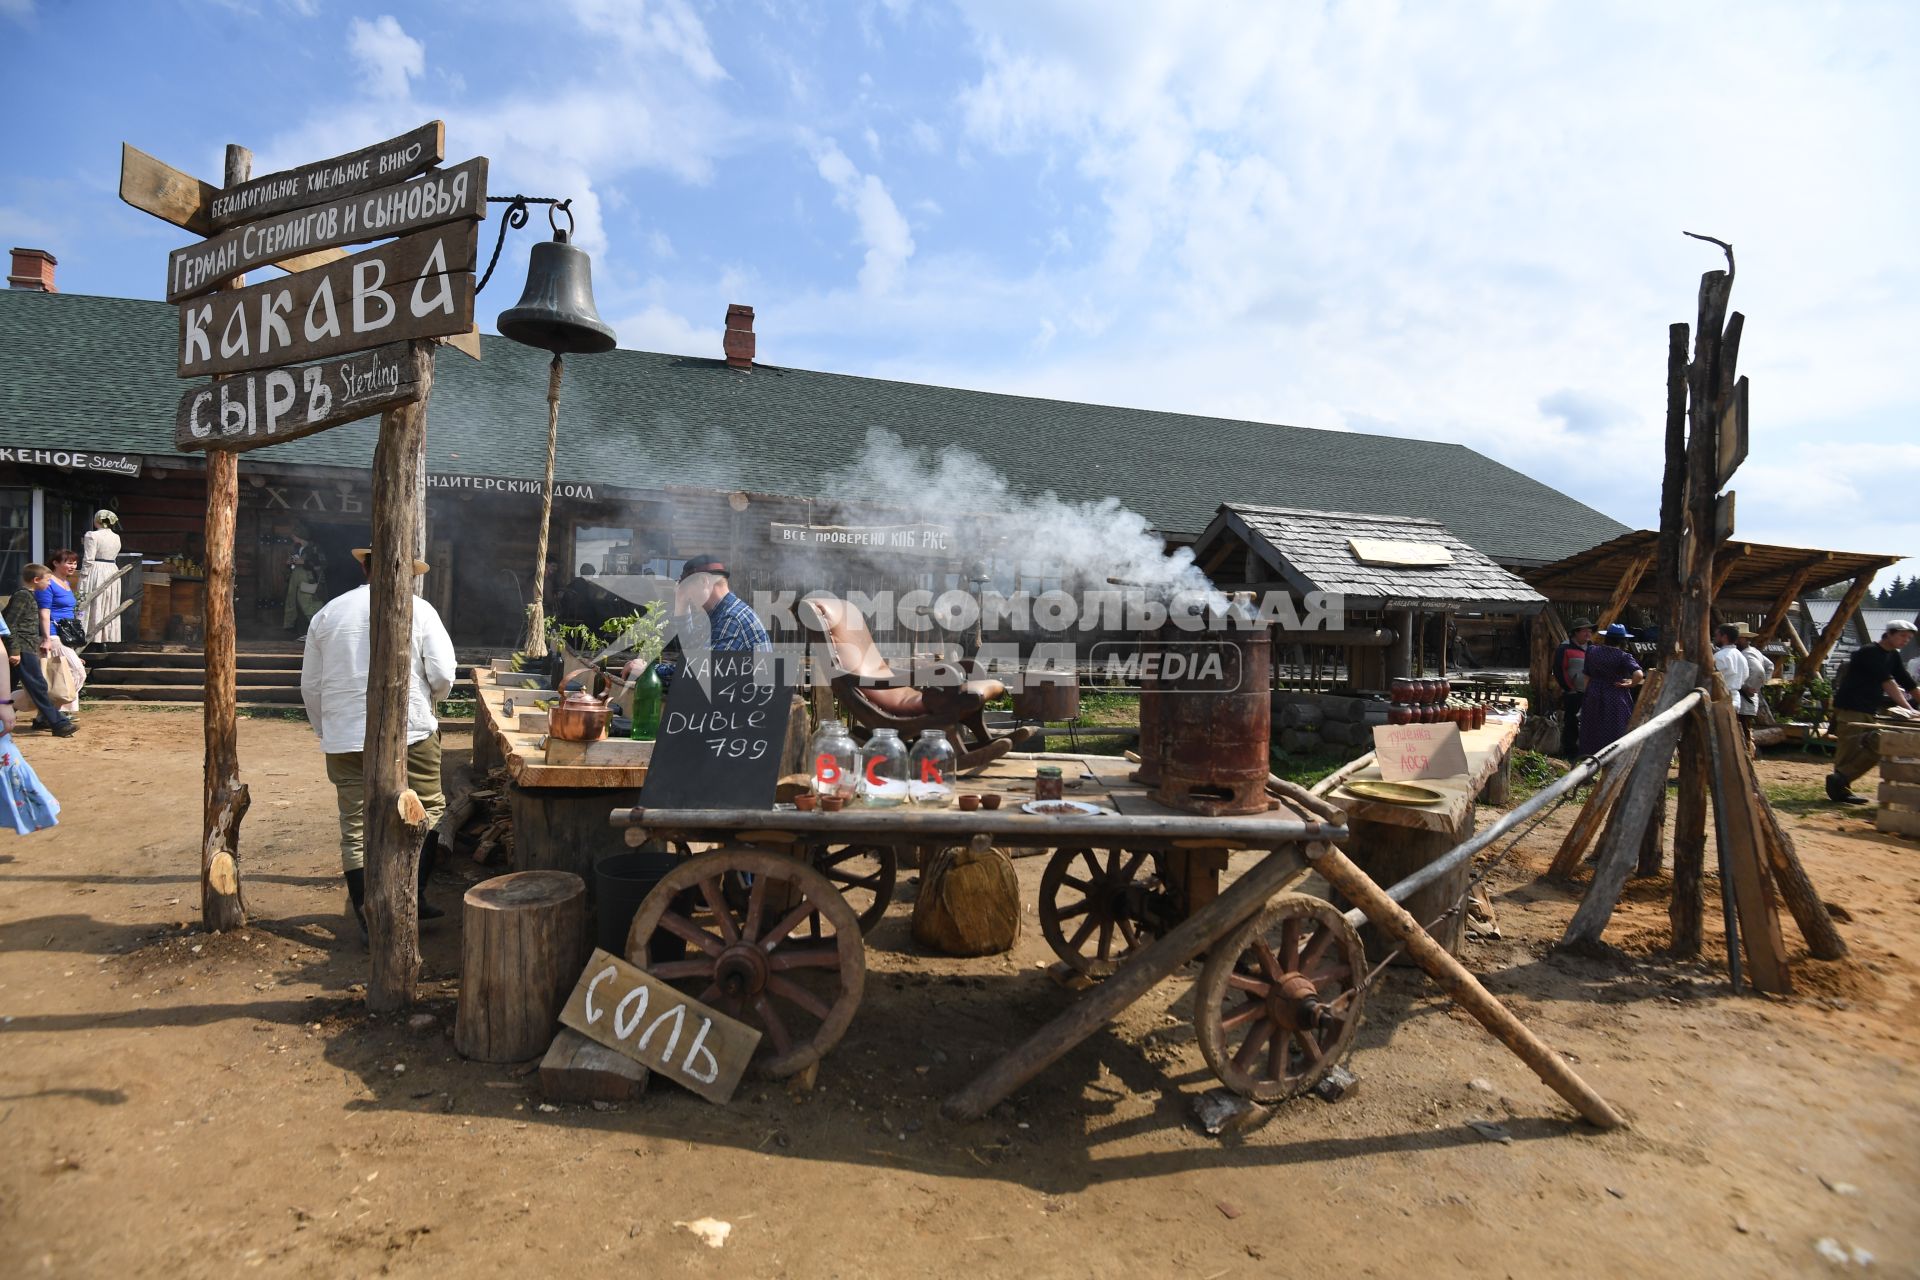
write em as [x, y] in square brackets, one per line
[581, 715]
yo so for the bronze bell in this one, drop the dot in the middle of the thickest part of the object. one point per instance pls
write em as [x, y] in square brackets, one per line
[556, 313]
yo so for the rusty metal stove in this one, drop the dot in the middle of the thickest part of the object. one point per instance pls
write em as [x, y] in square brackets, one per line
[1211, 721]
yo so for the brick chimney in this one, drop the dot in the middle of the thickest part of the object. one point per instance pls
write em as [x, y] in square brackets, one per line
[33, 269]
[738, 342]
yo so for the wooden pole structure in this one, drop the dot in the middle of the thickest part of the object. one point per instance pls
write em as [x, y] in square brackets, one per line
[1806, 668]
[536, 646]
[1704, 377]
[395, 821]
[1454, 978]
[225, 798]
[1624, 589]
[1783, 603]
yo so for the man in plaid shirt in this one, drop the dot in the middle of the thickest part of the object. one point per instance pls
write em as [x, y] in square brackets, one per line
[728, 621]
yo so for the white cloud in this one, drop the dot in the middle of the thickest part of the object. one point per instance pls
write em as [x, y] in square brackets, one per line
[883, 230]
[389, 58]
[657, 328]
[653, 26]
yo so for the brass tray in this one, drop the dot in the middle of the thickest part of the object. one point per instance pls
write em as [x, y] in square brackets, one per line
[1395, 792]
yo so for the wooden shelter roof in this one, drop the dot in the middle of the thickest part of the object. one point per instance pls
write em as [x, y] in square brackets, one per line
[1756, 572]
[1323, 551]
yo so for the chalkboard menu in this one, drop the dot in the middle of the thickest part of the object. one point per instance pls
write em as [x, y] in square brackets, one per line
[720, 735]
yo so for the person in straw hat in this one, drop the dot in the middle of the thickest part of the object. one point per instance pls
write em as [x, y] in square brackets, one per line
[333, 684]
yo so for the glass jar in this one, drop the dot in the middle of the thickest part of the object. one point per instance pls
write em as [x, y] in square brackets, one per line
[1403, 689]
[930, 769]
[836, 761]
[1048, 784]
[883, 777]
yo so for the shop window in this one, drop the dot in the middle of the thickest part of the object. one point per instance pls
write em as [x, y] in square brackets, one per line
[16, 534]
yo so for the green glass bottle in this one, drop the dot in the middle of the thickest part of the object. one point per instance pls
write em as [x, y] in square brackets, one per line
[646, 705]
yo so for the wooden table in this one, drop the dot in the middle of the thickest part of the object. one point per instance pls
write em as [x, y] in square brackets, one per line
[559, 811]
[1392, 841]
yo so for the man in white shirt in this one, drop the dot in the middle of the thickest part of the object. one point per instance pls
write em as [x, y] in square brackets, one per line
[333, 684]
[1731, 665]
[1759, 671]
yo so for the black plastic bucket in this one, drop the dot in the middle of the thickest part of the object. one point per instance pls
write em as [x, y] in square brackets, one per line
[621, 882]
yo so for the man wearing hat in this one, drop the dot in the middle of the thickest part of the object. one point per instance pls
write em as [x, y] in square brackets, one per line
[713, 615]
[1872, 677]
[1570, 671]
[333, 684]
[1759, 671]
[1731, 666]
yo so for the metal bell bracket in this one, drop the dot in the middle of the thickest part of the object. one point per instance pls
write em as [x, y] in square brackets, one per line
[517, 215]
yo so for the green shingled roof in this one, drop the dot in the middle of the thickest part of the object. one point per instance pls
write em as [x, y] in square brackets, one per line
[99, 373]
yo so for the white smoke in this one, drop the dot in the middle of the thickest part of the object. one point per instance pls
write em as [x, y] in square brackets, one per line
[1087, 542]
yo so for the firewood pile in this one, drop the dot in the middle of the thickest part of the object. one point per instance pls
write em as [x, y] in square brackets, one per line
[477, 821]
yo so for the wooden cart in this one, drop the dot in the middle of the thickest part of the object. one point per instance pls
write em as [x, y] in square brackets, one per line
[765, 921]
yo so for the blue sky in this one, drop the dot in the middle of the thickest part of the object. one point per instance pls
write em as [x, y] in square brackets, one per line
[1452, 221]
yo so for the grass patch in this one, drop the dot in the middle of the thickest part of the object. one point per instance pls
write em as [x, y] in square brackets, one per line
[274, 713]
[1799, 798]
[455, 709]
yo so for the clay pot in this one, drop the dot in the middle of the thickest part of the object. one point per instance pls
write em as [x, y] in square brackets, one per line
[969, 803]
[804, 802]
[832, 804]
[990, 802]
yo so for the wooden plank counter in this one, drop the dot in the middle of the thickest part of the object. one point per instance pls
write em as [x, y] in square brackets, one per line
[559, 811]
[1392, 841]
[523, 753]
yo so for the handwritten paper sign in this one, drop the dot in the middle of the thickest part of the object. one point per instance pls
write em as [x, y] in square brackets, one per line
[636, 1014]
[1407, 752]
[720, 735]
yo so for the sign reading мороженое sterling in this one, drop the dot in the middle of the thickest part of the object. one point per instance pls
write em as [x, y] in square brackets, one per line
[119, 464]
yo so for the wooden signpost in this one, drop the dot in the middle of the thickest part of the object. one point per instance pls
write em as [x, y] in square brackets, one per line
[380, 165]
[256, 409]
[388, 298]
[454, 195]
[420, 286]
[634, 1013]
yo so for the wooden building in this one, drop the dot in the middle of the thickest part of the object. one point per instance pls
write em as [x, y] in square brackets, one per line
[662, 457]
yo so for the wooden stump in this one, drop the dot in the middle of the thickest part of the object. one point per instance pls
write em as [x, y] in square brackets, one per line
[524, 941]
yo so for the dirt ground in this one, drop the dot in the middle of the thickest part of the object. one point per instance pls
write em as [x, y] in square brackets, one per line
[178, 1104]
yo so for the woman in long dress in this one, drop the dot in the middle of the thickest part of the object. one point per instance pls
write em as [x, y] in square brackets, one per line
[99, 556]
[1612, 674]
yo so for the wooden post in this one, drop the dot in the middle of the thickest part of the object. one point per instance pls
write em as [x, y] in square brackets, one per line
[1704, 377]
[1623, 590]
[1594, 815]
[1453, 978]
[226, 797]
[1739, 831]
[393, 834]
[1822, 646]
[1620, 848]
[1728, 559]
[536, 646]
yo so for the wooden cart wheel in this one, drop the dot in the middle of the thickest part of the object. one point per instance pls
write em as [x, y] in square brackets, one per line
[1279, 999]
[1086, 908]
[789, 960]
[864, 874]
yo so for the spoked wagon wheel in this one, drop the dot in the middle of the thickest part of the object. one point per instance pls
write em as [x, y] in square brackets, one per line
[1279, 999]
[1088, 907]
[788, 960]
[863, 873]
